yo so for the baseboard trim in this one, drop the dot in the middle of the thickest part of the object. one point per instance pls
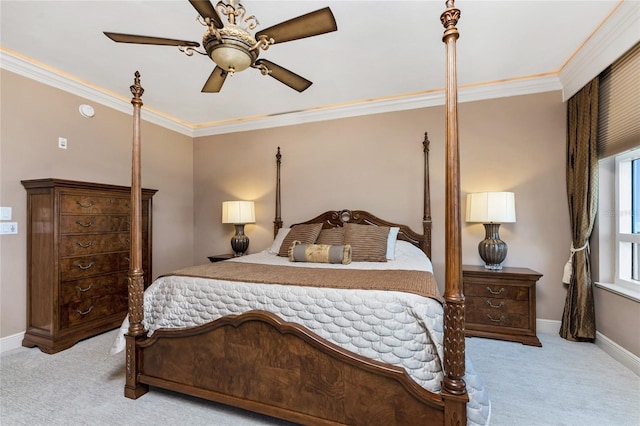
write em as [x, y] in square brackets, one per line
[613, 349]
[618, 353]
[11, 342]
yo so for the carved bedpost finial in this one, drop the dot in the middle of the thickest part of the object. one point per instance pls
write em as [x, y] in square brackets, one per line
[426, 142]
[136, 89]
[449, 19]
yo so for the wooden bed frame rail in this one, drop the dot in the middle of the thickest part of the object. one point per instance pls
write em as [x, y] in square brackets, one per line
[258, 362]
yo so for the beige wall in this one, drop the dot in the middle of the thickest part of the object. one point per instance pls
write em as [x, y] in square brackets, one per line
[33, 117]
[372, 163]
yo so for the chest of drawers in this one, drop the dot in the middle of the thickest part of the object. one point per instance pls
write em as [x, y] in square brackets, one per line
[78, 244]
[501, 304]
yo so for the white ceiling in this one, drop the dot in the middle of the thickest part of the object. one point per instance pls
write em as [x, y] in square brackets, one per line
[384, 53]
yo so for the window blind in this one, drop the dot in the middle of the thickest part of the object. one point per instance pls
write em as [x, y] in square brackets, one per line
[619, 105]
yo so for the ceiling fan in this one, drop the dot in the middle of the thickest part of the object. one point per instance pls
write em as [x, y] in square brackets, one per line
[233, 48]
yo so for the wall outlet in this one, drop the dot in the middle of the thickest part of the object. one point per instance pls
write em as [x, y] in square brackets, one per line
[5, 213]
[62, 143]
[7, 228]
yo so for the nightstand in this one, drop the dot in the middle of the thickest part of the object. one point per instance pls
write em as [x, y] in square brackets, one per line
[221, 257]
[501, 304]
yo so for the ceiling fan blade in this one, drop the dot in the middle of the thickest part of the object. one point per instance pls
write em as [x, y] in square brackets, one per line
[285, 76]
[206, 10]
[309, 25]
[215, 81]
[138, 39]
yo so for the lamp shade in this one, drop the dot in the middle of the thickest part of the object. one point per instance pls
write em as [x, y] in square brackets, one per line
[238, 212]
[487, 207]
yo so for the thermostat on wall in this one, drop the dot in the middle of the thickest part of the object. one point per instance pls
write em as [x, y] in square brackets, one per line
[87, 111]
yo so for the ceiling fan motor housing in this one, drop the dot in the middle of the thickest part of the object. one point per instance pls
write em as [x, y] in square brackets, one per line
[231, 49]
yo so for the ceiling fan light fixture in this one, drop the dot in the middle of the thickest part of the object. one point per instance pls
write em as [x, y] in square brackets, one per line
[231, 58]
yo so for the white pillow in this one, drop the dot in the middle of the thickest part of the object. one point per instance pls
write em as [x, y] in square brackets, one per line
[277, 241]
[391, 242]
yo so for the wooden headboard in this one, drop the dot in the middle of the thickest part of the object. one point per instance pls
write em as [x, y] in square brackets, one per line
[335, 218]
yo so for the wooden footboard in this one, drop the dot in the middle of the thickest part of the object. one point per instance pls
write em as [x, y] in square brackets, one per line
[260, 363]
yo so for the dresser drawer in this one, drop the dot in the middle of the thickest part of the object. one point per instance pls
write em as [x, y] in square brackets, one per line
[85, 311]
[492, 290]
[92, 204]
[72, 268]
[76, 224]
[498, 312]
[85, 244]
[89, 288]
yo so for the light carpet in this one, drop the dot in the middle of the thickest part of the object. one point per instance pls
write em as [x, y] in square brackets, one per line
[562, 383]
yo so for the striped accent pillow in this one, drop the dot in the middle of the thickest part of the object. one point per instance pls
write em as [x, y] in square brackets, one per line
[331, 236]
[368, 242]
[305, 233]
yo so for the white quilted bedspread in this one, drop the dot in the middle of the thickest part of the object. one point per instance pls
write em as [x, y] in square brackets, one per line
[397, 328]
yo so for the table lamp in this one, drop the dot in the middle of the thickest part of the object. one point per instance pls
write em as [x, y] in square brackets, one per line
[239, 213]
[491, 209]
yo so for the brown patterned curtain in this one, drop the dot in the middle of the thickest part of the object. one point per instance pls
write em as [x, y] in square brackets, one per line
[578, 318]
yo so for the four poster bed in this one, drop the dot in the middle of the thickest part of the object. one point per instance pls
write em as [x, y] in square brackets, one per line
[328, 341]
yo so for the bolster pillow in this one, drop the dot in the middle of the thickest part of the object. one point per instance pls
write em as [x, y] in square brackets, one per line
[319, 253]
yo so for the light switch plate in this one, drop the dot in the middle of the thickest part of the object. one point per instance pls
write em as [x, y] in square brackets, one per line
[5, 213]
[7, 228]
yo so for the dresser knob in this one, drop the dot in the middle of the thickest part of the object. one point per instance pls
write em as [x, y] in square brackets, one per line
[495, 320]
[84, 245]
[84, 267]
[86, 206]
[79, 312]
[84, 289]
[85, 224]
[495, 293]
[498, 306]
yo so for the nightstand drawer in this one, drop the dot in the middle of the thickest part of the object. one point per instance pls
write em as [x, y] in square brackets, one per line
[500, 312]
[501, 291]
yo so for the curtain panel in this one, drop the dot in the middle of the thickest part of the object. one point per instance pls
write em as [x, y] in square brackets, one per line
[578, 318]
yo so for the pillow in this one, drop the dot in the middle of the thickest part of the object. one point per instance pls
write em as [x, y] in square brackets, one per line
[368, 242]
[391, 242]
[305, 233]
[277, 241]
[331, 236]
[320, 253]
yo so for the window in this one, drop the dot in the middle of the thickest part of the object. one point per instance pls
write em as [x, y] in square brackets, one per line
[627, 218]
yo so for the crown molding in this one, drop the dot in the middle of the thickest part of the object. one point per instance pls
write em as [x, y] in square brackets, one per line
[51, 77]
[486, 91]
[619, 33]
[491, 90]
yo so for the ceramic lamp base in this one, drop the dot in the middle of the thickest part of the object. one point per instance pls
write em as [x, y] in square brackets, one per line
[492, 249]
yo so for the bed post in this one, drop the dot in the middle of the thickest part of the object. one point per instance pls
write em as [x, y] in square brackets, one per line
[454, 390]
[133, 389]
[426, 216]
[277, 222]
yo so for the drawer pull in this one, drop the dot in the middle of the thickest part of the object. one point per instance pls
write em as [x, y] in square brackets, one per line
[495, 292]
[495, 320]
[85, 224]
[498, 306]
[86, 206]
[82, 290]
[79, 312]
[84, 267]
[84, 245]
